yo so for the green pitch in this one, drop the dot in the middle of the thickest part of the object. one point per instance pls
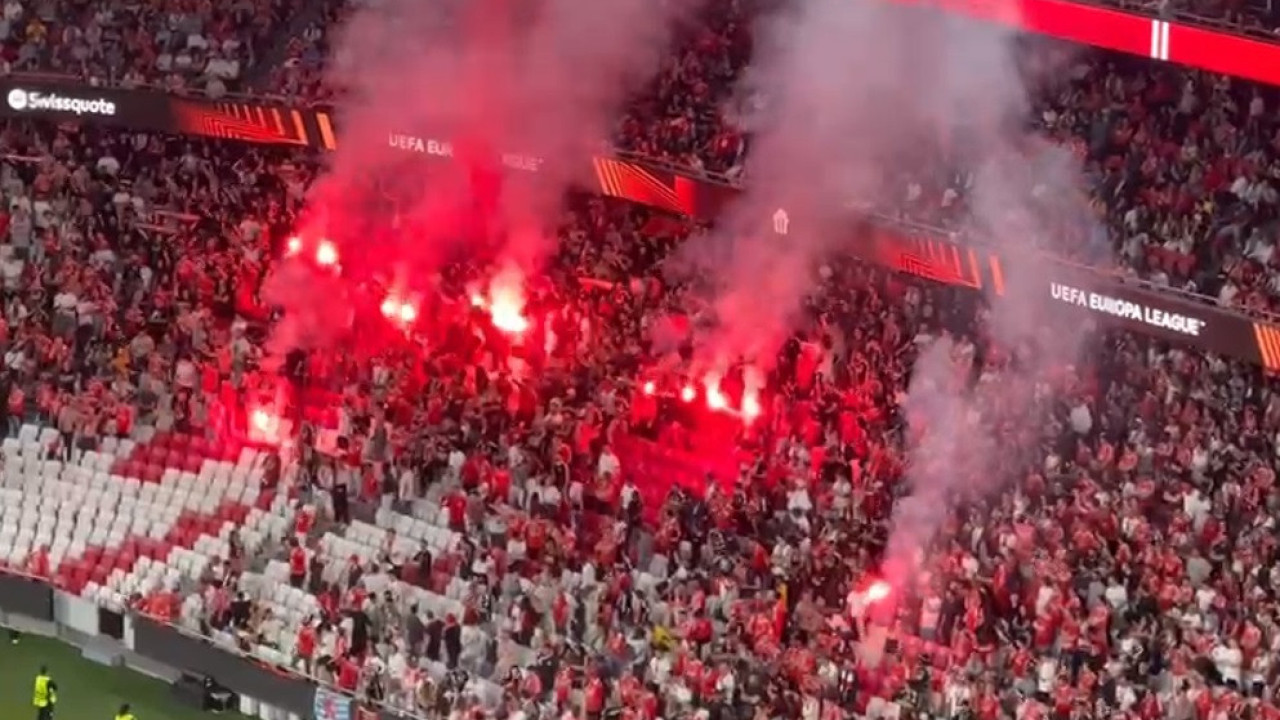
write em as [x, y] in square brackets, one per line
[86, 689]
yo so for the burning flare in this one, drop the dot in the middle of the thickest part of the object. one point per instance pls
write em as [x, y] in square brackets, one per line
[505, 302]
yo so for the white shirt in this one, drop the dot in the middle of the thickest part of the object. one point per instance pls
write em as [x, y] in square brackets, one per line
[11, 268]
[1047, 675]
[799, 500]
[1228, 661]
[608, 464]
[1117, 596]
[929, 613]
[1081, 419]
[659, 669]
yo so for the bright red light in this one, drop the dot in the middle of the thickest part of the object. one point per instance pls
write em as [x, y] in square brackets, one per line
[477, 301]
[506, 302]
[877, 591]
[408, 313]
[687, 394]
[265, 426]
[326, 254]
[508, 320]
[650, 388]
[294, 246]
[716, 399]
[750, 408]
[390, 307]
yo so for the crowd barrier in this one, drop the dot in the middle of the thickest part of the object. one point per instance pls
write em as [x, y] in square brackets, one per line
[147, 645]
[1067, 291]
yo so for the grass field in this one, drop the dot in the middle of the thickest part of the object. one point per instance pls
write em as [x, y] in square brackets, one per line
[86, 689]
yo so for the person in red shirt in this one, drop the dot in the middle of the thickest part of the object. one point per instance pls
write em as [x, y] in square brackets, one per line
[456, 506]
[304, 521]
[593, 697]
[500, 488]
[348, 673]
[563, 687]
[297, 565]
[17, 409]
[306, 647]
[531, 686]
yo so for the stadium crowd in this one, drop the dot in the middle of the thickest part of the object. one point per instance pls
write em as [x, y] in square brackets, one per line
[125, 258]
[650, 562]
[1179, 164]
[174, 46]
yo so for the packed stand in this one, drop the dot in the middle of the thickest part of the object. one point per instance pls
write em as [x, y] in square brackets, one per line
[301, 77]
[577, 572]
[557, 559]
[182, 47]
[128, 258]
[1177, 164]
[681, 118]
[1179, 168]
[545, 572]
[684, 117]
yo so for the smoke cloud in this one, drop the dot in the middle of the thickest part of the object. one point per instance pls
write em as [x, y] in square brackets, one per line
[463, 124]
[526, 90]
[855, 100]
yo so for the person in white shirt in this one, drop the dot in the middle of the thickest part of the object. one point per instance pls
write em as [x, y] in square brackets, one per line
[957, 697]
[10, 269]
[457, 459]
[516, 549]
[1117, 596]
[406, 485]
[1228, 658]
[608, 464]
[798, 501]
[1047, 676]
[930, 613]
[659, 669]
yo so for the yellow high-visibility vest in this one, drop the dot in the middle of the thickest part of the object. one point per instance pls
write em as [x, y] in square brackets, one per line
[42, 695]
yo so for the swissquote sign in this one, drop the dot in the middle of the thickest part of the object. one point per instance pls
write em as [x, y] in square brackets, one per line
[24, 100]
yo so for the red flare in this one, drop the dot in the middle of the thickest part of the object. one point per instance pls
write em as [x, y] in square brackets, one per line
[326, 254]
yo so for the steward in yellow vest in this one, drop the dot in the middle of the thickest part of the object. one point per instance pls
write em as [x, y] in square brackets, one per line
[44, 695]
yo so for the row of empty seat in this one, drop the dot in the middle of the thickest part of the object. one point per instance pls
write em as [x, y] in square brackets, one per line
[109, 531]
